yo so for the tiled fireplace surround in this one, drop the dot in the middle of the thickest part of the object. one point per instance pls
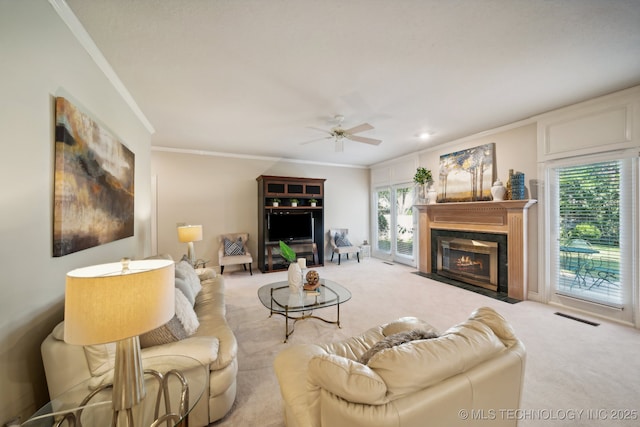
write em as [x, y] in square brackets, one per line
[498, 217]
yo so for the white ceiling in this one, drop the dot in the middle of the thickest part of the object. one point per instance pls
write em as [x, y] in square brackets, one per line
[252, 76]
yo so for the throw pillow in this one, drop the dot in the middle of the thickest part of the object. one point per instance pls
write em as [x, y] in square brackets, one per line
[186, 314]
[342, 240]
[404, 324]
[182, 325]
[186, 289]
[233, 248]
[185, 271]
[394, 340]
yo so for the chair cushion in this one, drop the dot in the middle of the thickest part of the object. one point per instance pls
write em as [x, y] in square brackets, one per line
[232, 248]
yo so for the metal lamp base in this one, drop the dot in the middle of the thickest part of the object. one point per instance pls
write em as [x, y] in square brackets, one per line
[128, 375]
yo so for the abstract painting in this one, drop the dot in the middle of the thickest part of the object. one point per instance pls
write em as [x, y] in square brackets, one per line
[93, 183]
[467, 175]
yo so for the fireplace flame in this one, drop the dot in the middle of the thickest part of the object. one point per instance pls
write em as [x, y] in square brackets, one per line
[465, 261]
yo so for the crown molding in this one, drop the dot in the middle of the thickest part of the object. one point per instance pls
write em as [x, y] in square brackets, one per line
[77, 29]
[252, 157]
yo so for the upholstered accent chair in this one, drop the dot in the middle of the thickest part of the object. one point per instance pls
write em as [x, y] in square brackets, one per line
[233, 251]
[340, 244]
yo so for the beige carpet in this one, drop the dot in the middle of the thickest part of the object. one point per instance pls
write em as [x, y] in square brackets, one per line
[576, 374]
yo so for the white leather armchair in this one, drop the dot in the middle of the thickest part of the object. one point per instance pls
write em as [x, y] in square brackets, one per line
[241, 256]
[476, 366]
[340, 248]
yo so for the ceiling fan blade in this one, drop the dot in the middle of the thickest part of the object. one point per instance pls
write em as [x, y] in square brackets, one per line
[359, 128]
[321, 130]
[339, 145]
[315, 140]
[365, 140]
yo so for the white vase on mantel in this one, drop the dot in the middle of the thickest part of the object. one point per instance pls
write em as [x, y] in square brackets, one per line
[432, 196]
[498, 191]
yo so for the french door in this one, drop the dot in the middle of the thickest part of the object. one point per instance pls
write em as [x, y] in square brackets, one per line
[593, 225]
[395, 223]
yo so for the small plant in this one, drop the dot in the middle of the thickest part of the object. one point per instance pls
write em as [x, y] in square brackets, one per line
[296, 201]
[313, 201]
[276, 200]
[422, 176]
[287, 253]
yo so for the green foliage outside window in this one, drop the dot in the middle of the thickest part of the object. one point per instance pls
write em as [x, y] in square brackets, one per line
[590, 203]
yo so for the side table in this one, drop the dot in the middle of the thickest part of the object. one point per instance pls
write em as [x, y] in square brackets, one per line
[174, 385]
[365, 250]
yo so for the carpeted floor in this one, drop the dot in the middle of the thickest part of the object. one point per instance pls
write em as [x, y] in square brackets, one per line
[576, 374]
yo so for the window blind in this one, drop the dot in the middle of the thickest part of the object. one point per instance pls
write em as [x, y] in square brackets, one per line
[592, 219]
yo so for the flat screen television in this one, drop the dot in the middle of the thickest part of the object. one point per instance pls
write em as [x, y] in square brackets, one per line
[290, 227]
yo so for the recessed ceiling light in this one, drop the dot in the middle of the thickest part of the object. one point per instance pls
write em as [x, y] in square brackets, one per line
[424, 135]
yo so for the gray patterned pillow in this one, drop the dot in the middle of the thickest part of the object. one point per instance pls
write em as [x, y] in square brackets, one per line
[394, 340]
[233, 248]
[183, 324]
[342, 240]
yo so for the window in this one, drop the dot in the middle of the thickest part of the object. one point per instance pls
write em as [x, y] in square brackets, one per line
[394, 238]
[591, 219]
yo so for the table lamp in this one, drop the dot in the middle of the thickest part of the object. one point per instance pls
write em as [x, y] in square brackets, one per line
[117, 302]
[189, 234]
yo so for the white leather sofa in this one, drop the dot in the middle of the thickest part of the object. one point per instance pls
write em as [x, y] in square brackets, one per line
[470, 375]
[213, 344]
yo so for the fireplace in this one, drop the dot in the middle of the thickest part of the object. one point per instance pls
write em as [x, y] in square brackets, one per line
[507, 219]
[479, 259]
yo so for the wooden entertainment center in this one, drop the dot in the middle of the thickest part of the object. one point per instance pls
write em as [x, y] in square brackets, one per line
[287, 189]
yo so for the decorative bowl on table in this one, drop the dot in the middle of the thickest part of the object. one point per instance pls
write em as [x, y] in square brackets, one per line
[313, 280]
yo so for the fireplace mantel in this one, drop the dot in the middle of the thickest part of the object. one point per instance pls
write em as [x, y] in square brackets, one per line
[500, 217]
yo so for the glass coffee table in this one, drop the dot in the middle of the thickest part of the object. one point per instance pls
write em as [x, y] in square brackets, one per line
[300, 305]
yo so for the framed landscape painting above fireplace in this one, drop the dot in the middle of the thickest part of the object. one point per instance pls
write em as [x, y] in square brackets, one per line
[467, 175]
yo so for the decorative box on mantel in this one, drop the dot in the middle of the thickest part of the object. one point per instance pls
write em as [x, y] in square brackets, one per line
[508, 217]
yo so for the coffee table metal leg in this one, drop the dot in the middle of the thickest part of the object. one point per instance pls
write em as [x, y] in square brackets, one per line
[286, 323]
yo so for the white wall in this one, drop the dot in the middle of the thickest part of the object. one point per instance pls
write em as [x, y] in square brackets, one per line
[221, 193]
[41, 59]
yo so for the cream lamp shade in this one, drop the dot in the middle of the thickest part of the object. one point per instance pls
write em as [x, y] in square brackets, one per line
[190, 233]
[110, 302]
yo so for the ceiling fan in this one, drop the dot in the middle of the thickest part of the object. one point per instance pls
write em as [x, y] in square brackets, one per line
[339, 134]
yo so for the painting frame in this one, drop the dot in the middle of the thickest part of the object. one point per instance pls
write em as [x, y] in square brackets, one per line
[467, 175]
[94, 183]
